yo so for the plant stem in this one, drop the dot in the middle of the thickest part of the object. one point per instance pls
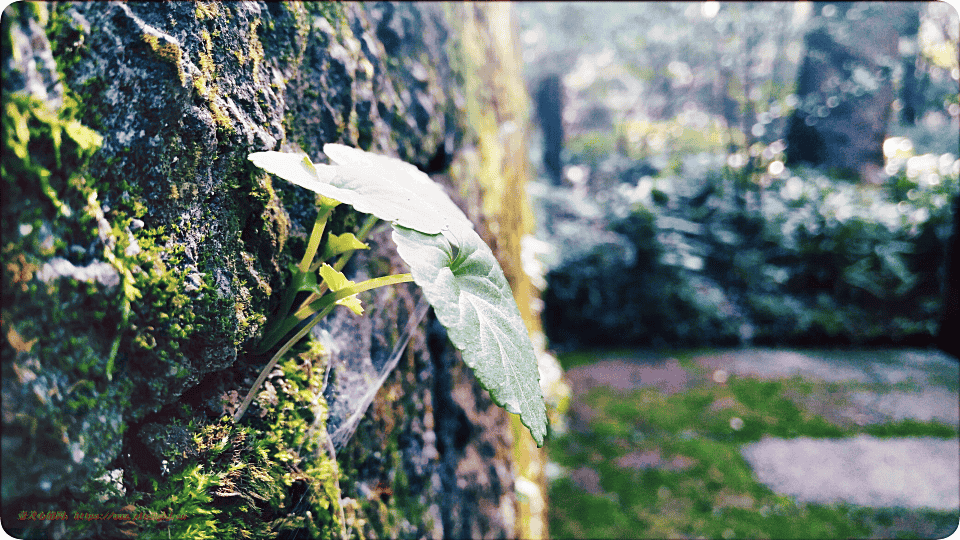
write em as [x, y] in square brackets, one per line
[361, 236]
[315, 237]
[318, 310]
[352, 290]
[276, 357]
[341, 262]
[272, 333]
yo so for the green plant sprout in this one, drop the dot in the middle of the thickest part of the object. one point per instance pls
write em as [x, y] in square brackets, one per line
[453, 266]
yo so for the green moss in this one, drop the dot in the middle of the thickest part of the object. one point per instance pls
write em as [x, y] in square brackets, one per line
[61, 334]
[146, 324]
[156, 314]
[270, 474]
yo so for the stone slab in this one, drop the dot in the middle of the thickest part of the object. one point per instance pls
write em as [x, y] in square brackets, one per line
[918, 473]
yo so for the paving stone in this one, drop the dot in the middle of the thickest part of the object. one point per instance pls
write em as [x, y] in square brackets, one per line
[667, 375]
[920, 472]
[927, 405]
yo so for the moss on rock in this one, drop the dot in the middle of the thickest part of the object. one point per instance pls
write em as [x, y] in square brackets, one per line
[142, 253]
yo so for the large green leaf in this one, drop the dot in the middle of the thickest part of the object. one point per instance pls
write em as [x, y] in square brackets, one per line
[388, 188]
[294, 168]
[472, 299]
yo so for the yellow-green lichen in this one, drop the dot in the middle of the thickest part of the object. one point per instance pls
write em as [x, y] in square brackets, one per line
[207, 10]
[207, 73]
[200, 84]
[169, 52]
[206, 55]
[166, 51]
[220, 118]
[203, 83]
[254, 51]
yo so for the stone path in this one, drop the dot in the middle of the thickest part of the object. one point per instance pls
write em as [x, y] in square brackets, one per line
[920, 473]
[873, 387]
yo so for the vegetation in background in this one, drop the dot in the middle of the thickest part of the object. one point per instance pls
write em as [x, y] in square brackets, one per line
[685, 224]
[811, 260]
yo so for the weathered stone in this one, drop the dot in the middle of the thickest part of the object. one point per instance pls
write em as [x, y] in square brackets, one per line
[122, 370]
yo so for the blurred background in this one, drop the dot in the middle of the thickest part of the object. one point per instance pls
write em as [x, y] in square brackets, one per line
[744, 218]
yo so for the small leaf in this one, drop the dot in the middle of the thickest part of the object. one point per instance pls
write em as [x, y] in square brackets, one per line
[334, 279]
[303, 281]
[466, 287]
[337, 282]
[337, 244]
[352, 303]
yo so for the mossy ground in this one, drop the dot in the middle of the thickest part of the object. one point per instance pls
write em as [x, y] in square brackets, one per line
[696, 483]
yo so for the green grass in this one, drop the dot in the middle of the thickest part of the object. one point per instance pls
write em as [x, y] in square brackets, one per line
[912, 428]
[572, 359]
[716, 497]
[712, 493]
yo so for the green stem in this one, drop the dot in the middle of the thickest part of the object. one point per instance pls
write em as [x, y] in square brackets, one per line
[315, 237]
[361, 236]
[273, 333]
[341, 262]
[273, 361]
[319, 309]
[345, 292]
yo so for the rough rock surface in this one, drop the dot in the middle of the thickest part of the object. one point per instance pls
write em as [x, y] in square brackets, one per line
[141, 268]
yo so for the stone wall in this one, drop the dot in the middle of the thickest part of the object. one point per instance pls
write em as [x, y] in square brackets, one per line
[142, 253]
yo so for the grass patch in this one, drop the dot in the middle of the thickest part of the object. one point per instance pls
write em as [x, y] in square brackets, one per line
[744, 410]
[913, 428]
[715, 497]
[650, 465]
[571, 359]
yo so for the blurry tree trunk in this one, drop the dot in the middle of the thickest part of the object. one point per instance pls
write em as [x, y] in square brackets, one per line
[550, 113]
[846, 85]
[911, 95]
[950, 320]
